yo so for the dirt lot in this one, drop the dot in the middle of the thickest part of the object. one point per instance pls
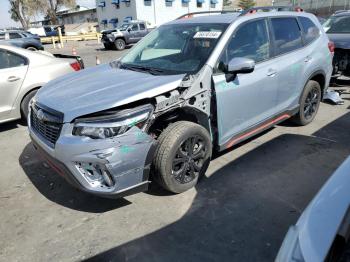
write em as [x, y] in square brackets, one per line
[240, 211]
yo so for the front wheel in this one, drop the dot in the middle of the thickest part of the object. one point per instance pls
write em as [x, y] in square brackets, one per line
[120, 44]
[182, 156]
[309, 103]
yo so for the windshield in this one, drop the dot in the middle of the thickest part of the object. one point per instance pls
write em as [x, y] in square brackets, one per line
[337, 25]
[123, 27]
[175, 48]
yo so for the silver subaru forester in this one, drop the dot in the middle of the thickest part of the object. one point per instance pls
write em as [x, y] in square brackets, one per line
[189, 87]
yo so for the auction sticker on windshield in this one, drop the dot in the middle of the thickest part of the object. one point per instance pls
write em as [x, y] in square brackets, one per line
[207, 34]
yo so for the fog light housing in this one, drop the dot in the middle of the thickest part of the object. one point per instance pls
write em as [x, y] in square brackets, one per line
[95, 174]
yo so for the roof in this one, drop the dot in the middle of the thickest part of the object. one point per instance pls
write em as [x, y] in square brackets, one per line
[216, 19]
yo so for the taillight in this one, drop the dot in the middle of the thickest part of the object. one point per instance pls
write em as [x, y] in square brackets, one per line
[75, 66]
[331, 47]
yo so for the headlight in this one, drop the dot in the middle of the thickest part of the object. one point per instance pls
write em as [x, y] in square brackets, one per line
[114, 124]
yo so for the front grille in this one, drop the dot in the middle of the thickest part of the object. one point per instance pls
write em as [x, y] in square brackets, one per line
[50, 131]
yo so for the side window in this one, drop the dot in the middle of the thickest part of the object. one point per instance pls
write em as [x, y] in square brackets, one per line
[287, 34]
[8, 60]
[14, 35]
[310, 30]
[142, 27]
[251, 41]
[2, 36]
[135, 27]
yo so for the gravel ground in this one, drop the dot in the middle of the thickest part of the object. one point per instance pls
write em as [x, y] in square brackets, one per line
[240, 211]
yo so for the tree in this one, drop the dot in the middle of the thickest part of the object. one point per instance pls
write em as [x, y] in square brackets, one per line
[227, 2]
[50, 7]
[22, 11]
[246, 4]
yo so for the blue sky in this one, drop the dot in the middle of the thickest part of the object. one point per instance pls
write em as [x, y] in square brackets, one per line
[5, 20]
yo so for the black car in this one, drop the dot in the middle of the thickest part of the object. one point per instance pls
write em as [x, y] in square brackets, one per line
[337, 28]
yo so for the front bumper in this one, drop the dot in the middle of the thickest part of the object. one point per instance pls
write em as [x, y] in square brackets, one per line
[126, 159]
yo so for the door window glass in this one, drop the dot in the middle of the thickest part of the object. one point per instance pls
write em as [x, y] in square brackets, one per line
[311, 32]
[250, 41]
[14, 35]
[8, 60]
[2, 36]
[135, 27]
[287, 34]
[142, 27]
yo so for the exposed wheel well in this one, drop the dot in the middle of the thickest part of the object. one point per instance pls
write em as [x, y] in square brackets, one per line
[179, 114]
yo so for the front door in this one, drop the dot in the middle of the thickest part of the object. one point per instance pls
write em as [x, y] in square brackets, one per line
[13, 69]
[250, 98]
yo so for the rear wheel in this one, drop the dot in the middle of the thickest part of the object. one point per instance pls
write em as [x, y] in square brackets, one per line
[120, 44]
[25, 104]
[182, 156]
[309, 103]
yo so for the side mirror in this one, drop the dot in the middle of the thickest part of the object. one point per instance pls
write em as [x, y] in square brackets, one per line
[238, 65]
[129, 29]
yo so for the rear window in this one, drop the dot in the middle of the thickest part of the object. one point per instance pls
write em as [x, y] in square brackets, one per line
[287, 34]
[311, 31]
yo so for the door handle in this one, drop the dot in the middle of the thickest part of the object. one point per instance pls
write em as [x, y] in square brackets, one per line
[271, 72]
[307, 59]
[13, 78]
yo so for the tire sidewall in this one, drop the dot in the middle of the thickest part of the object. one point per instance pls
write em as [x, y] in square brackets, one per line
[25, 104]
[187, 133]
[117, 46]
[309, 86]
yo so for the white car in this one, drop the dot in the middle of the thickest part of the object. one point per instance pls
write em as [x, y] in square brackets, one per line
[22, 73]
[322, 232]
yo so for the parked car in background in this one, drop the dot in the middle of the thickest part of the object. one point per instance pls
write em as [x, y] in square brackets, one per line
[189, 87]
[21, 39]
[22, 73]
[322, 232]
[126, 34]
[337, 28]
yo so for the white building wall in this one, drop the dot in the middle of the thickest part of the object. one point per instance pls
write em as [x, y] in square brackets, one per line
[110, 11]
[155, 12]
[158, 12]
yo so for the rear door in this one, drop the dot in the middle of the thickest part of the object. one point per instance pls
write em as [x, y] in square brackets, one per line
[13, 69]
[290, 56]
[250, 98]
[134, 34]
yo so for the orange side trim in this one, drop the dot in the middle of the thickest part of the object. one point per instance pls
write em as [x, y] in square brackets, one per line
[274, 121]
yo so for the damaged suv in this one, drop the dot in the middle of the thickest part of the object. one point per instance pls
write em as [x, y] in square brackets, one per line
[189, 87]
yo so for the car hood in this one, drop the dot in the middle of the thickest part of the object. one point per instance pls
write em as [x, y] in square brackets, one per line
[100, 88]
[340, 40]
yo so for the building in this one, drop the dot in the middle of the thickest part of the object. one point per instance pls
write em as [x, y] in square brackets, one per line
[112, 13]
[77, 15]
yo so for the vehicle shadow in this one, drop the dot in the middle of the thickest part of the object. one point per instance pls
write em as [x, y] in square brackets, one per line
[11, 125]
[243, 210]
[56, 189]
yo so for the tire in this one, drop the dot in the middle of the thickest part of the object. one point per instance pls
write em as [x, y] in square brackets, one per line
[309, 104]
[25, 104]
[31, 48]
[120, 44]
[176, 168]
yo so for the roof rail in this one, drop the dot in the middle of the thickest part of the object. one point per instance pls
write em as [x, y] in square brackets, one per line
[271, 9]
[341, 11]
[190, 15]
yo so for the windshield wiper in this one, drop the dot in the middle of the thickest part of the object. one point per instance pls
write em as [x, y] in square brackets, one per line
[151, 70]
